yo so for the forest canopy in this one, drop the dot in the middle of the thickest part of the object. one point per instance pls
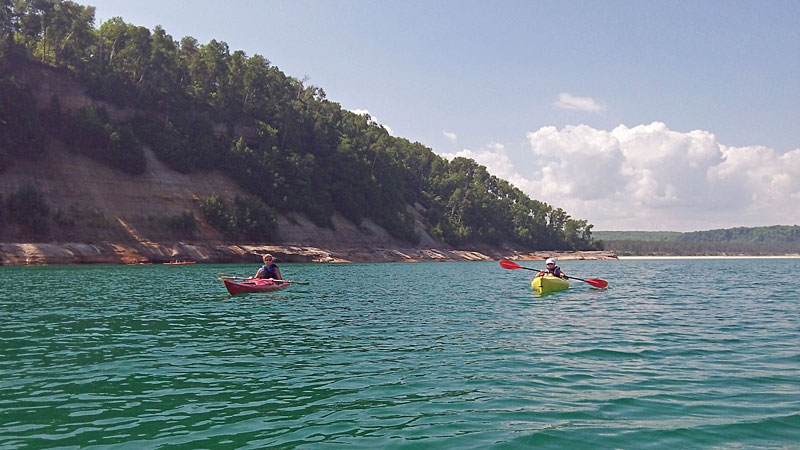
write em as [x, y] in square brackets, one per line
[203, 107]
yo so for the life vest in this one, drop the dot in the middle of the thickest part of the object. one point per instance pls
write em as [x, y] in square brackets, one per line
[556, 272]
[267, 271]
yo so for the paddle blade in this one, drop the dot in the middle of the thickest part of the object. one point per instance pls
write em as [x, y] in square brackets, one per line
[508, 264]
[304, 283]
[225, 276]
[598, 283]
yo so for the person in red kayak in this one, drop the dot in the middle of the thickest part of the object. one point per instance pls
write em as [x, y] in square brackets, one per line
[269, 269]
[551, 269]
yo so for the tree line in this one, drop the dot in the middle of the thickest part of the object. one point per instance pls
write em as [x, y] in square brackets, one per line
[772, 240]
[203, 107]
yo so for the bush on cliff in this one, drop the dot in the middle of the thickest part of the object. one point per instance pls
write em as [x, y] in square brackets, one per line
[254, 220]
[27, 208]
[248, 218]
[184, 141]
[21, 131]
[185, 222]
[90, 131]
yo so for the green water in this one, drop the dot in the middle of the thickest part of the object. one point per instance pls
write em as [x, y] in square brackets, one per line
[411, 355]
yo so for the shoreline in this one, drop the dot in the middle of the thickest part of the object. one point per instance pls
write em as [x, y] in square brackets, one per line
[71, 253]
[790, 256]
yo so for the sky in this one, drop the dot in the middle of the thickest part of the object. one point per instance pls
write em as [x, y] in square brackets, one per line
[632, 115]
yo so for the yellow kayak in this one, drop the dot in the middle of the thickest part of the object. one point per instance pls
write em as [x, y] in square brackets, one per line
[549, 283]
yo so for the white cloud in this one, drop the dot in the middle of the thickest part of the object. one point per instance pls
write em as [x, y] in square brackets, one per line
[364, 112]
[494, 156]
[497, 161]
[768, 183]
[649, 177]
[450, 136]
[586, 104]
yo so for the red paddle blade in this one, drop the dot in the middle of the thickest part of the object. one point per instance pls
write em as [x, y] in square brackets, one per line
[508, 264]
[598, 283]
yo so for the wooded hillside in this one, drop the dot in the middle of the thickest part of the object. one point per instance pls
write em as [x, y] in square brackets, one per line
[202, 106]
[774, 240]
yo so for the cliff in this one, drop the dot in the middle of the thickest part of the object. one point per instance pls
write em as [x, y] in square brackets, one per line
[112, 217]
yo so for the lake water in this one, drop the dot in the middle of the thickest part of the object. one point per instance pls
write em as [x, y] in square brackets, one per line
[674, 354]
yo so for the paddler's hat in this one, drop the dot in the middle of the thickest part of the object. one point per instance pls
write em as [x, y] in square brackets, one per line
[550, 261]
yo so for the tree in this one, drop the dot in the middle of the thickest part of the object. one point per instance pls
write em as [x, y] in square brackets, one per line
[209, 73]
[161, 86]
[71, 34]
[32, 27]
[9, 26]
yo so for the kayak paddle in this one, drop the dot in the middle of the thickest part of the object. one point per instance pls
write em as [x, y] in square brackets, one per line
[288, 281]
[596, 282]
[225, 276]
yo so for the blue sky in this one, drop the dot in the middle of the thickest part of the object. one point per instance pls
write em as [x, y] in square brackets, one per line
[634, 115]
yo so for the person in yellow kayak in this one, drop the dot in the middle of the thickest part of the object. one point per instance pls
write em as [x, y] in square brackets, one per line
[551, 269]
[269, 269]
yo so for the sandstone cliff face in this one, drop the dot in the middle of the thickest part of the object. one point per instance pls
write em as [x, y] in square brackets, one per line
[118, 218]
[117, 221]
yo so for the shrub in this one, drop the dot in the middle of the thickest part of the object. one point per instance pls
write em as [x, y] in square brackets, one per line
[85, 131]
[249, 218]
[216, 213]
[90, 132]
[28, 209]
[185, 222]
[125, 151]
[64, 219]
[21, 131]
[253, 219]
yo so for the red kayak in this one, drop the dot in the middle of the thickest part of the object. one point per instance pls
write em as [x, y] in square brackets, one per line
[253, 285]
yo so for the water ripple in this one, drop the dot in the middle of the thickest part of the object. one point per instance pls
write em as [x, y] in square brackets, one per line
[399, 355]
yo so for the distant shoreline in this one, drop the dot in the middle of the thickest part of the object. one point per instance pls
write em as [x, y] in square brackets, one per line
[714, 257]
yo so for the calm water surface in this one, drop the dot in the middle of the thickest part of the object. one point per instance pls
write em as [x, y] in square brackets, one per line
[411, 355]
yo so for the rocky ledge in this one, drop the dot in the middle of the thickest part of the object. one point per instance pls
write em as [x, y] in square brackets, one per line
[139, 253]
